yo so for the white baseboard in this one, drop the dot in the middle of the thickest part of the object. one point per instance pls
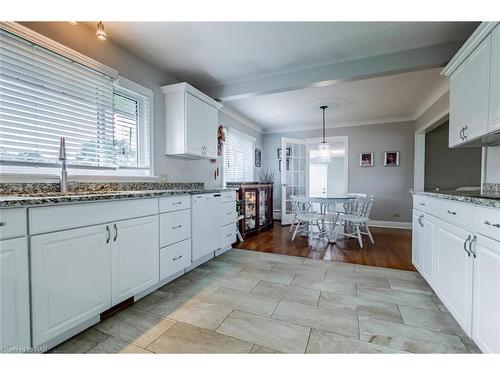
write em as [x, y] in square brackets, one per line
[389, 224]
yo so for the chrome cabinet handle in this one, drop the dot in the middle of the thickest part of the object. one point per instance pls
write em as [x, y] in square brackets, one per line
[229, 213]
[420, 220]
[3, 223]
[451, 212]
[176, 203]
[116, 232]
[422, 204]
[465, 245]
[177, 258]
[473, 239]
[177, 226]
[109, 234]
[493, 225]
[461, 136]
[465, 128]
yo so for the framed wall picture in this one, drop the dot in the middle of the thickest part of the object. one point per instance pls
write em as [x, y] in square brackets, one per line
[391, 158]
[366, 159]
[258, 157]
[280, 153]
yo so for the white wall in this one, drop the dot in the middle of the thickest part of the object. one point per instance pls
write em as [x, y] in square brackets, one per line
[492, 165]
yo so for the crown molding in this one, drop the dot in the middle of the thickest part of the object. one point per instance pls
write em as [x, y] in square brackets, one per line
[483, 30]
[393, 120]
[43, 41]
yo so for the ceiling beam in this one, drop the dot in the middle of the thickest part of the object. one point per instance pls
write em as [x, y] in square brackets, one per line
[398, 62]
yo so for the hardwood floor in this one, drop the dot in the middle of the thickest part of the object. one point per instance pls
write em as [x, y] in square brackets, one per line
[392, 248]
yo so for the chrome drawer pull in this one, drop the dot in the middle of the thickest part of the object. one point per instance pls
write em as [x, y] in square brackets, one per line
[493, 225]
[229, 213]
[422, 204]
[487, 222]
[176, 203]
[3, 223]
[177, 227]
[451, 212]
[229, 235]
[177, 258]
[116, 232]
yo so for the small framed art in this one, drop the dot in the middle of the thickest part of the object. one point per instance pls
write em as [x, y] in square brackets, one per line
[391, 158]
[366, 159]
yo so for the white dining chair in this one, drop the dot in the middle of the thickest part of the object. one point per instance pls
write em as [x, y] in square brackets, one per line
[357, 219]
[304, 216]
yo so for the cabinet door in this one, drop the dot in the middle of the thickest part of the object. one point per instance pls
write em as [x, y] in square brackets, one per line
[416, 252]
[457, 103]
[135, 257]
[70, 279]
[14, 295]
[210, 127]
[195, 113]
[486, 310]
[454, 272]
[428, 245]
[477, 90]
[494, 121]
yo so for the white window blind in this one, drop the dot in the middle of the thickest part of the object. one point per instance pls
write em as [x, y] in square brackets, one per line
[45, 96]
[238, 157]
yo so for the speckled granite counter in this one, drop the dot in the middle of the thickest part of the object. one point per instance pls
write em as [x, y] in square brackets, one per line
[486, 200]
[47, 194]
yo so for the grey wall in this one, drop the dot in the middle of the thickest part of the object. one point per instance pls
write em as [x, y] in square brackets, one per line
[390, 185]
[82, 39]
[447, 168]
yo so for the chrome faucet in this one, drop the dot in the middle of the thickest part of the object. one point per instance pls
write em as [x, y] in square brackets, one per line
[64, 173]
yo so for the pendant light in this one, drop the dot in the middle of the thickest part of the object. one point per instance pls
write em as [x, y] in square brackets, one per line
[100, 33]
[324, 154]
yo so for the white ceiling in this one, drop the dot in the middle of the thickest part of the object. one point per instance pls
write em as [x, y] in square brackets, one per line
[208, 54]
[399, 97]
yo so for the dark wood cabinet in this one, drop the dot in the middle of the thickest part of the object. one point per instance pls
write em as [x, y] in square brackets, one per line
[256, 206]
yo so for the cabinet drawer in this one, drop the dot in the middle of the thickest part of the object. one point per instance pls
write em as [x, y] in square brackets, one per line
[175, 258]
[175, 227]
[228, 213]
[423, 203]
[228, 196]
[56, 218]
[454, 212]
[228, 235]
[169, 204]
[487, 222]
[12, 223]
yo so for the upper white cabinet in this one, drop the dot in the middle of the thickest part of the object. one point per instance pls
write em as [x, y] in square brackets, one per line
[191, 122]
[475, 89]
[494, 118]
[14, 295]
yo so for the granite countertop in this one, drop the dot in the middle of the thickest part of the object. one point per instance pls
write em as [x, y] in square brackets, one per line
[474, 197]
[38, 197]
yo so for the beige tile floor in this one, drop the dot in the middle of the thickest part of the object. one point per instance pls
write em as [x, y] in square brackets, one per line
[253, 302]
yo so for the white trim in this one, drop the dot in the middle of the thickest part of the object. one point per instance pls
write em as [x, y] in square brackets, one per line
[277, 130]
[61, 49]
[433, 98]
[483, 30]
[186, 87]
[389, 224]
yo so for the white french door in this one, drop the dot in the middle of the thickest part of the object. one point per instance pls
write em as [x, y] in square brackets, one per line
[294, 174]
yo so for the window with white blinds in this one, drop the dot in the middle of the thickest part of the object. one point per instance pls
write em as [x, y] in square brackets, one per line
[45, 96]
[238, 157]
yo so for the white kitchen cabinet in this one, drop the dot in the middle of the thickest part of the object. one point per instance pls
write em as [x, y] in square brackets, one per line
[454, 270]
[486, 310]
[70, 279]
[134, 257]
[417, 237]
[14, 295]
[428, 253]
[457, 106]
[191, 122]
[494, 116]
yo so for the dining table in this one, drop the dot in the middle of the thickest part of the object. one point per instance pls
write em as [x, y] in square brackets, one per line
[328, 206]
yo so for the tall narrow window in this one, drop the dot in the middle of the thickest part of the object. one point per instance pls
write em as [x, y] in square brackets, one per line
[238, 157]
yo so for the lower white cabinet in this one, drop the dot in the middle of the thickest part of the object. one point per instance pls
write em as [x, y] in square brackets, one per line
[424, 245]
[14, 295]
[454, 270]
[486, 306]
[134, 257]
[175, 258]
[70, 279]
[417, 240]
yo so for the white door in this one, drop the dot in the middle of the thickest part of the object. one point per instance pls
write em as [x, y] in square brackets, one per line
[70, 279]
[416, 248]
[494, 120]
[135, 257]
[477, 90]
[428, 242]
[294, 174]
[195, 126]
[206, 224]
[318, 180]
[14, 294]
[454, 267]
[486, 310]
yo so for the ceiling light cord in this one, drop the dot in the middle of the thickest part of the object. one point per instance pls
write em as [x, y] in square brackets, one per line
[323, 108]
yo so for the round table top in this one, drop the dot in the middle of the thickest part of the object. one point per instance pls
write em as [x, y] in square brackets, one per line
[332, 198]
